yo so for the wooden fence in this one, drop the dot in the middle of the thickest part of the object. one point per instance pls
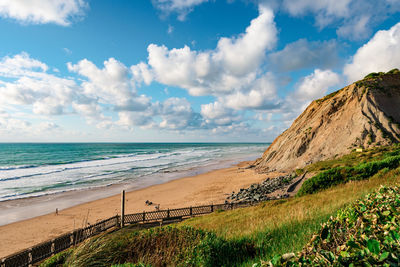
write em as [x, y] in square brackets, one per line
[46, 249]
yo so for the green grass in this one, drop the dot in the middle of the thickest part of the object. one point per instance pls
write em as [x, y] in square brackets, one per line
[374, 75]
[321, 100]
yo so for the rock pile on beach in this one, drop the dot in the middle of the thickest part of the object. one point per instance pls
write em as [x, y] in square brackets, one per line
[259, 192]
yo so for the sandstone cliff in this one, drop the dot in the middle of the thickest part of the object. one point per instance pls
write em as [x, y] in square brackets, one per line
[361, 115]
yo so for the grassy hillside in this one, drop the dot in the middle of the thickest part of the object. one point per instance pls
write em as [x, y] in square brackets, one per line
[243, 236]
[366, 233]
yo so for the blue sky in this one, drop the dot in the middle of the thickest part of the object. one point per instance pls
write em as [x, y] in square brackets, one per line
[181, 70]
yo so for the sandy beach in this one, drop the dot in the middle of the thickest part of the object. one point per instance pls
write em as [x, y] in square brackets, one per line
[206, 188]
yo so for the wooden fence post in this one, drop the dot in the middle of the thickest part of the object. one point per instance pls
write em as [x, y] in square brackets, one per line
[144, 216]
[168, 213]
[30, 258]
[71, 239]
[212, 207]
[122, 208]
[191, 211]
[53, 246]
[117, 220]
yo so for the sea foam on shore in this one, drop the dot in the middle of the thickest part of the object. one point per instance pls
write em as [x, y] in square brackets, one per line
[28, 170]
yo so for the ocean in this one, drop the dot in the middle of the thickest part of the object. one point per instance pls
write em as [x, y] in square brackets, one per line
[28, 170]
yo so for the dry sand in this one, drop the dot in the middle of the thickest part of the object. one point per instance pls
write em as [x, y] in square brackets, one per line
[207, 188]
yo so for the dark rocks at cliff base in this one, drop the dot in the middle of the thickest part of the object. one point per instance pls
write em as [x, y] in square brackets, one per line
[260, 192]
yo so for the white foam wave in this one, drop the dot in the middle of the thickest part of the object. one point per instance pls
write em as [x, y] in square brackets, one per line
[40, 180]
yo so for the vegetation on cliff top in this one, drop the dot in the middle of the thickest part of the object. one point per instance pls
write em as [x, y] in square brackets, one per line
[372, 75]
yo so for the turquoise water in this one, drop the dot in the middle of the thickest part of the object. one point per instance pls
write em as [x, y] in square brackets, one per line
[38, 169]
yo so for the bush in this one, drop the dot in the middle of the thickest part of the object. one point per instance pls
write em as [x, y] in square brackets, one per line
[339, 175]
[393, 71]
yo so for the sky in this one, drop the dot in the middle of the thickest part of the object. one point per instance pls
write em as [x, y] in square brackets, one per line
[181, 70]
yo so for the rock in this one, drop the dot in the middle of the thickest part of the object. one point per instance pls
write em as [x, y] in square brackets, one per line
[258, 192]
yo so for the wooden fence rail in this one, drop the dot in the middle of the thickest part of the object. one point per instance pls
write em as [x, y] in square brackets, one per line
[46, 249]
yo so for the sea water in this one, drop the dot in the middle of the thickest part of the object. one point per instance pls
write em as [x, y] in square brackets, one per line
[28, 170]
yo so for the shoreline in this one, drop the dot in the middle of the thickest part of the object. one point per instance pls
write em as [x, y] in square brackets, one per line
[19, 209]
[205, 188]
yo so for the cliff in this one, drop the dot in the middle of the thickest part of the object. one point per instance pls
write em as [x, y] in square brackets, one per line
[361, 115]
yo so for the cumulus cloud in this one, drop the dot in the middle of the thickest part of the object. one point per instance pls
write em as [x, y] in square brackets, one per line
[141, 73]
[260, 94]
[311, 87]
[326, 10]
[42, 11]
[16, 128]
[218, 114]
[177, 114]
[353, 18]
[181, 7]
[230, 72]
[357, 28]
[20, 65]
[112, 84]
[32, 85]
[381, 53]
[316, 85]
[304, 54]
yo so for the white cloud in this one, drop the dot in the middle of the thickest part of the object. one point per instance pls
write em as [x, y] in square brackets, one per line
[97, 92]
[217, 113]
[353, 19]
[260, 95]
[231, 71]
[325, 8]
[316, 85]
[21, 64]
[31, 84]
[304, 54]
[356, 29]
[112, 84]
[177, 114]
[16, 129]
[170, 29]
[311, 87]
[381, 53]
[141, 73]
[42, 11]
[182, 7]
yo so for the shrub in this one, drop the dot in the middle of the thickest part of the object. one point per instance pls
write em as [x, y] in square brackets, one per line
[393, 71]
[339, 175]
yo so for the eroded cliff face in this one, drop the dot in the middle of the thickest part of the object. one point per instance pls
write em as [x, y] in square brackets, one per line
[363, 114]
